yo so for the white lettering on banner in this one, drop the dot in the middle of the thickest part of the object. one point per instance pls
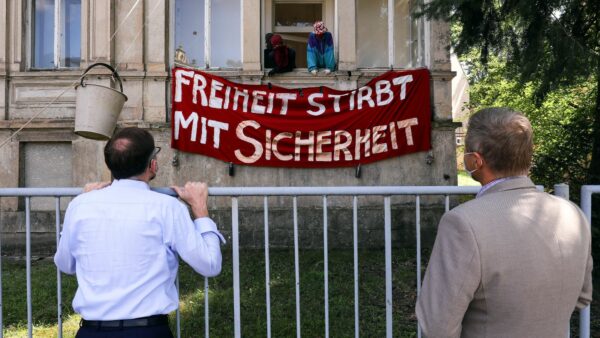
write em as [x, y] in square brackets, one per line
[244, 94]
[258, 95]
[285, 97]
[358, 140]
[402, 81]
[374, 139]
[185, 123]
[218, 95]
[336, 101]
[323, 139]
[182, 122]
[309, 142]
[199, 89]
[180, 80]
[214, 101]
[394, 141]
[217, 127]
[378, 132]
[203, 131]
[276, 140]
[258, 148]
[362, 96]
[383, 87]
[227, 92]
[406, 124]
[270, 106]
[312, 102]
[339, 146]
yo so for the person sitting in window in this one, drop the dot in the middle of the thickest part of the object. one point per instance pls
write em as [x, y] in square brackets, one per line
[283, 57]
[269, 61]
[319, 52]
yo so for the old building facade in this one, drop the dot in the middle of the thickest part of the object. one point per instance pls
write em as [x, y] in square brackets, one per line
[46, 45]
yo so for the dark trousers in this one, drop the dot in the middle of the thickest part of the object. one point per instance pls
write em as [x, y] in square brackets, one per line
[158, 331]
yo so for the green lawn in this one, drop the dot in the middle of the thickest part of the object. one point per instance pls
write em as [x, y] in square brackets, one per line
[253, 309]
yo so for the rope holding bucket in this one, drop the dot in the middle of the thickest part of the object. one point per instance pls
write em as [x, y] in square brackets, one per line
[98, 107]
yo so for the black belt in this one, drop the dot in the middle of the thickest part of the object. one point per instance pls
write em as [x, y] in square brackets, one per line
[136, 322]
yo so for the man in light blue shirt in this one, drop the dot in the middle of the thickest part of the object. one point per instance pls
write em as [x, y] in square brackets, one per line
[123, 242]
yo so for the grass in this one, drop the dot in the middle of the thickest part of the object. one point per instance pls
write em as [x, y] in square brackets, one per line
[252, 294]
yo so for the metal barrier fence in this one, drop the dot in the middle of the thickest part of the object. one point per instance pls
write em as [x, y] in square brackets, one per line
[586, 206]
[385, 191]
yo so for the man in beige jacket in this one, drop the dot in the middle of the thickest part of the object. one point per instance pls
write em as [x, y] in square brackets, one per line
[513, 262]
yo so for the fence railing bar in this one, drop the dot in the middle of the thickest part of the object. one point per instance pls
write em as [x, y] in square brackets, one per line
[326, 266]
[235, 242]
[28, 264]
[57, 193]
[1, 304]
[297, 266]
[418, 232]
[272, 191]
[177, 312]
[562, 190]
[586, 206]
[58, 276]
[447, 203]
[267, 267]
[355, 249]
[388, 266]
[206, 310]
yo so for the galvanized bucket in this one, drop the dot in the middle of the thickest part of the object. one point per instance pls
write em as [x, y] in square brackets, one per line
[98, 107]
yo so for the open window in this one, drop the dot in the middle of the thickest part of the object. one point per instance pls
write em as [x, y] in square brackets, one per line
[293, 20]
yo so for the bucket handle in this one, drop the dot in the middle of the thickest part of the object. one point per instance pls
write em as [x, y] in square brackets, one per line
[115, 75]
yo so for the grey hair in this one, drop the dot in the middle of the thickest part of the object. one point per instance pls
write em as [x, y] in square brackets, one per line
[504, 138]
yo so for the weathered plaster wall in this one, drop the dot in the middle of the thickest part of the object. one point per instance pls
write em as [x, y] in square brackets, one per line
[140, 51]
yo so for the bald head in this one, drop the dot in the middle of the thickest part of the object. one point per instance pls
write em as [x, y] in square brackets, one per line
[127, 153]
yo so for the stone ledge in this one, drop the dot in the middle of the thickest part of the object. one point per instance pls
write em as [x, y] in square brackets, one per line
[38, 124]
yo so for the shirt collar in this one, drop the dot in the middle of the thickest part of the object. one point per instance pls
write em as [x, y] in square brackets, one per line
[494, 182]
[129, 183]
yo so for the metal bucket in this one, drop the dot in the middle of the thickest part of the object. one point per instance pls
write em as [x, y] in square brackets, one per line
[98, 107]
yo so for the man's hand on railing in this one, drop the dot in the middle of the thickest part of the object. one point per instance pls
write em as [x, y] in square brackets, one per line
[195, 194]
[95, 186]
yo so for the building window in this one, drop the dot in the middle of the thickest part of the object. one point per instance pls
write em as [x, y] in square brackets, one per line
[294, 22]
[208, 33]
[386, 34]
[56, 34]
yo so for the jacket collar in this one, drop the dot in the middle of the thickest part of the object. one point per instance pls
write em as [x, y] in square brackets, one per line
[511, 184]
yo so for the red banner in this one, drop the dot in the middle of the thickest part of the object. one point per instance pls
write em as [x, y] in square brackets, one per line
[310, 127]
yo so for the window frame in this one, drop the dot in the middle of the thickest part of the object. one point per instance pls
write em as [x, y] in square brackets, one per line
[419, 38]
[207, 62]
[328, 16]
[57, 47]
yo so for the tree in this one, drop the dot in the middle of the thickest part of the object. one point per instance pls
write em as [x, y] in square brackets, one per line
[562, 122]
[550, 45]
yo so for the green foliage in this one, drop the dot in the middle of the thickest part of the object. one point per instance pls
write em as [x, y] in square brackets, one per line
[542, 58]
[562, 121]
